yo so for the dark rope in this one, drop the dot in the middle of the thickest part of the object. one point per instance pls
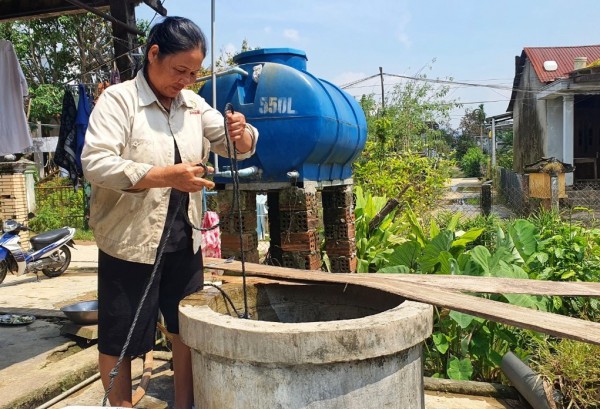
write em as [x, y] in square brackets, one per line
[236, 198]
[115, 371]
[227, 298]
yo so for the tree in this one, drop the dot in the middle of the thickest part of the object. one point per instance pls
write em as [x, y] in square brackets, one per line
[59, 50]
[225, 60]
[473, 122]
[504, 151]
[413, 123]
[472, 129]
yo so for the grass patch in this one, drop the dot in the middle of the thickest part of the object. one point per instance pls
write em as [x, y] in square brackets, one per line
[84, 235]
[573, 368]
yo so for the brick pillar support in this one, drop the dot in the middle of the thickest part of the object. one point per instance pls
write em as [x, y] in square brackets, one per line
[340, 233]
[298, 223]
[230, 225]
[13, 201]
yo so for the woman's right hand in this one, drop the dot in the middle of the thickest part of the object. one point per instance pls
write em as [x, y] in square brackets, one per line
[188, 177]
[185, 177]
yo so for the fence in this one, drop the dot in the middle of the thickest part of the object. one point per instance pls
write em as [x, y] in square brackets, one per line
[61, 206]
[508, 197]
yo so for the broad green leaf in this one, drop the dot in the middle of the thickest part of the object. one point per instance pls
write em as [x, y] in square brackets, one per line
[416, 227]
[468, 267]
[441, 342]
[406, 254]
[463, 320]
[523, 234]
[434, 229]
[494, 357]
[454, 221]
[480, 342]
[431, 252]
[460, 369]
[481, 256]
[362, 266]
[528, 301]
[468, 237]
[446, 263]
[454, 267]
[394, 270]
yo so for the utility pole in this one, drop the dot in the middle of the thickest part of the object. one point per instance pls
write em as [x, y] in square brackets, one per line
[382, 92]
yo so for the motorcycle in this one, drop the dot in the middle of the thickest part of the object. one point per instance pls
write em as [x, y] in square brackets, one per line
[49, 251]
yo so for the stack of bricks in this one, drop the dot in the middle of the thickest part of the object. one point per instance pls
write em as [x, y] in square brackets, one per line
[229, 223]
[298, 212]
[13, 201]
[340, 232]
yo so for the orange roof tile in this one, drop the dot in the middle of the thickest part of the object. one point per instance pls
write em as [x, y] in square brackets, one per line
[564, 57]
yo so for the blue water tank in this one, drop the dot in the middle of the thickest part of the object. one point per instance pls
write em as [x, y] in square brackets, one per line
[306, 124]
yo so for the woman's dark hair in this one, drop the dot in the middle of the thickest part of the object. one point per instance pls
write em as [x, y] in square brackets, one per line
[173, 35]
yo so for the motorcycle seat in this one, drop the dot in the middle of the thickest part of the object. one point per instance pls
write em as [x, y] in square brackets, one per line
[44, 239]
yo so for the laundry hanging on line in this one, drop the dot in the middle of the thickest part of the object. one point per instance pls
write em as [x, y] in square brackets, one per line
[73, 125]
[14, 131]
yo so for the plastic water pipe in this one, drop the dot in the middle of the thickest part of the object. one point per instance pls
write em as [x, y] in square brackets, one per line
[528, 383]
[243, 173]
[229, 71]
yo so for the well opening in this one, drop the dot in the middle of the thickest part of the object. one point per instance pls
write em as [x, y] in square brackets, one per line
[297, 303]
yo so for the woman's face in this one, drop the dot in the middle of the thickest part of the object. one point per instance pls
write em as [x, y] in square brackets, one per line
[171, 73]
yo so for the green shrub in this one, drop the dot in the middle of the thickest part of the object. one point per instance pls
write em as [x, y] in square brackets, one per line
[417, 181]
[471, 163]
[58, 205]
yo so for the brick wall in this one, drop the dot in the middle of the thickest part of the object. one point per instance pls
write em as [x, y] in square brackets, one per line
[13, 201]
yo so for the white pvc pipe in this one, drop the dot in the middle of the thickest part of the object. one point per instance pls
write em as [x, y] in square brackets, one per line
[68, 392]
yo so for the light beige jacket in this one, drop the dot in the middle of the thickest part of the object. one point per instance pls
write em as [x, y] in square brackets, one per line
[129, 132]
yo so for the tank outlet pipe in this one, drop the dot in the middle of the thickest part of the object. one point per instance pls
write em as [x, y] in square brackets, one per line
[229, 71]
[529, 384]
[243, 173]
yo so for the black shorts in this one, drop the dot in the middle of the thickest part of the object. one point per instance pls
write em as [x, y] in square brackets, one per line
[121, 285]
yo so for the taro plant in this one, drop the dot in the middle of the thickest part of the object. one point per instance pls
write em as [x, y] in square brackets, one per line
[567, 252]
[463, 346]
[434, 252]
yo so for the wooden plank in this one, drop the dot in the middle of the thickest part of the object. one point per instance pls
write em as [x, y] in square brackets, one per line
[493, 285]
[548, 323]
[89, 332]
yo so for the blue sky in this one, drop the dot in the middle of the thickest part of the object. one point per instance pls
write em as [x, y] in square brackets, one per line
[470, 41]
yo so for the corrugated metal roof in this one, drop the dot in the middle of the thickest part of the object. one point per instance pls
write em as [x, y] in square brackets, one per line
[564, 57]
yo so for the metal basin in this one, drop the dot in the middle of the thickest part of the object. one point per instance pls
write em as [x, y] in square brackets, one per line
[85, 312]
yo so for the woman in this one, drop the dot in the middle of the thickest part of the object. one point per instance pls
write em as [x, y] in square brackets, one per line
[145, 141]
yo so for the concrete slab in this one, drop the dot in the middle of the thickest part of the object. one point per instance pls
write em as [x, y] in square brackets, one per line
[27, 344]
[437, 400]
[158, 396]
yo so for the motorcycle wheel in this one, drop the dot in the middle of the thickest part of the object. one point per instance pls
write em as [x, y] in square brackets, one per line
[65, 257]
[3, 270]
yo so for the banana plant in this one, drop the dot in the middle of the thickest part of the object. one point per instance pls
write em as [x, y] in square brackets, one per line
[373, 247]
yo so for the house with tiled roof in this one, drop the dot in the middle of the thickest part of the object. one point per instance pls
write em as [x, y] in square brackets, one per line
[555, 106]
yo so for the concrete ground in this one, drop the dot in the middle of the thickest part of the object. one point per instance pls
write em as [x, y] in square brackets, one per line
[38, 363]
